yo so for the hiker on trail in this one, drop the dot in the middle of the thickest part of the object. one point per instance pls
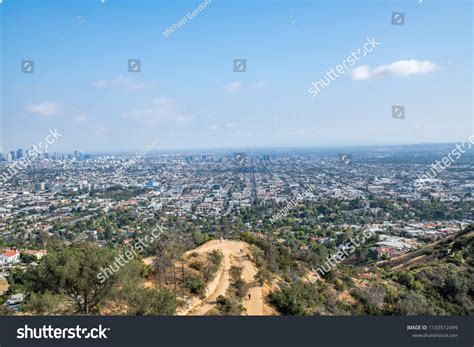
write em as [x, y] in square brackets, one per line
[249, 296]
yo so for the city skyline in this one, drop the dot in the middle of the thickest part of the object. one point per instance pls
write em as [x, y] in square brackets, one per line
[291, 149]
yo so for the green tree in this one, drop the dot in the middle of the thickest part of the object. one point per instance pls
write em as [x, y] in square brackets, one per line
[297, 299]
[151, 301]
[74, 271]
[46, 304]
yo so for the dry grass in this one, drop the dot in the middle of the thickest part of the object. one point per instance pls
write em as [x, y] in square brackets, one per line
[3, 285]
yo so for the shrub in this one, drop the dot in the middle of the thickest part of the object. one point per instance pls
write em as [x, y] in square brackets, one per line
[263, 275]
[46, 304]
[151, 301]
[194, 284]
[297, 299]
[229, 307]
[197, 265]
[240, 288]
[216, 257]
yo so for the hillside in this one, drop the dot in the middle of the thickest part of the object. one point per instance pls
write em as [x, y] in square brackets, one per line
[256, 275]
[442, 249]
[436, 279]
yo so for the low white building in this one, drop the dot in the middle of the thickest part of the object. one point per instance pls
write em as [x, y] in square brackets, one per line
[9, 256]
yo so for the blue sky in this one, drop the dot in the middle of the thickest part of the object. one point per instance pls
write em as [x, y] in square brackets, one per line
[187, 95]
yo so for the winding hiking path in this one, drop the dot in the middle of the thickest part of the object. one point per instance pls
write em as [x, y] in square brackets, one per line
[231, 251]
[254, 306]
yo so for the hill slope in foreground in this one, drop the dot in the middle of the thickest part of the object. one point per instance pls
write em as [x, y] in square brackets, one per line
[256, 275]
[439, 275]
[231, 290]
[434, 280]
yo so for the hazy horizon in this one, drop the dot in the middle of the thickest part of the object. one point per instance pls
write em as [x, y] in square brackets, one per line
[157, 150]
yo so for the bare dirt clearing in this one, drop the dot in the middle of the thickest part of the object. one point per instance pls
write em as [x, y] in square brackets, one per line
[234, 253]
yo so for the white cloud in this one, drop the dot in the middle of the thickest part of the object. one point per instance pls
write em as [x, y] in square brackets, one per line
[101, 130]
[184, 118]
[233, 87]
[164, 101]
[122, 83]
[242, 133]
[261, 84]
[297, 132]
[160, 109]
[212, 127]
[399, 68]
[44, 109]
[237, 87]
[80, 118]
[231, 125]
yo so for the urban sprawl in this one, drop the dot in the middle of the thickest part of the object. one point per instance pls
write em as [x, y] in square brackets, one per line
[108, 198]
